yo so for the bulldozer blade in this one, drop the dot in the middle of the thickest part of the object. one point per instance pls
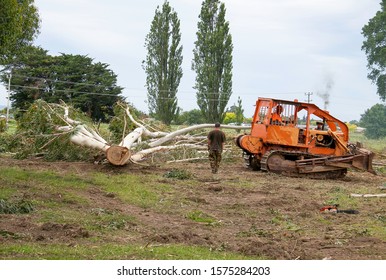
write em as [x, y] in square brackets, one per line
[363, 160]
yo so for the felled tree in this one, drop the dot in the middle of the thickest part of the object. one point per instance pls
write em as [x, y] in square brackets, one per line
[139, 143]
[124, 152]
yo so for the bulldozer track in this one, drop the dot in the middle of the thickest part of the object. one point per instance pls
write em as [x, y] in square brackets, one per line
[294, 171]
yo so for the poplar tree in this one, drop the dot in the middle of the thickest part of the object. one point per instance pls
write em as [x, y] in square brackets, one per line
[163, 64]
[19, 25]
[212, 61]
[239, 111]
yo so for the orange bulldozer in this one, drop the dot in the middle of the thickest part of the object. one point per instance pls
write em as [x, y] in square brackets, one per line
[283, 139]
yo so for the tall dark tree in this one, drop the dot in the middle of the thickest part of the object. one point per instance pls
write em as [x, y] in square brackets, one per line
[75, 79]
[239, 111]
[212, 61]
[19, 25]
[375, 48]
[163, 63]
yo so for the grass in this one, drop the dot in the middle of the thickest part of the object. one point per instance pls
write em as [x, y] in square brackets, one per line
[62, 198]
[133, 189]
[375, 145]
[201, 217]
[113, 252]
[12, 126]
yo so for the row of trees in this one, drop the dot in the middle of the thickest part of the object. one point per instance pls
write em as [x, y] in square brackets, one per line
[92, 86]
[212, 62]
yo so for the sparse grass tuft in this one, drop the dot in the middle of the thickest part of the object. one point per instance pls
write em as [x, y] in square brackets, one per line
[178, 174]
[15, 207]
[201, 217]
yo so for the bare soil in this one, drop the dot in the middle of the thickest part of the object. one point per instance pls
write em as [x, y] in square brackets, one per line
[256, 214]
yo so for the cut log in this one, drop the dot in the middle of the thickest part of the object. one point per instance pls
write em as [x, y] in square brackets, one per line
[118, 155]
[368, 195]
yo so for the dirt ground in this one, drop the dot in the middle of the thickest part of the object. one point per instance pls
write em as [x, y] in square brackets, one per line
[257, 214]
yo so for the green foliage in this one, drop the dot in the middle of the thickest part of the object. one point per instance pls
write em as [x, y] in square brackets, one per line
[351, 127]
[75, 79]
[375, 49]
[212, 61]
[15, 207]
[191, 117]
[230, 117]
[374, 120]
[19, 25]
[5, 141]
[3, 124]
[120, 125]
[36, 134]
[163, 64]
[178, 174]
[239, 111]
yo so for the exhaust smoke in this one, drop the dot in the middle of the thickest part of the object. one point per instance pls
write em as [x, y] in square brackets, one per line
[325, 93]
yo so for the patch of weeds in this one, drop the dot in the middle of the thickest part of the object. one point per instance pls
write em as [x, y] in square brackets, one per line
[273, 211]
[381, 218]
[132, 189]
[223, 247]
[283, 220]
[17, 207]
[6, 234]
[338, 196]
[109, 220]
[254, 231]
[277, 219]
[201, 217]
[115, 225]
[178, 174]
[362, 232]
[292, 227]
[380, 170]
[336, 190]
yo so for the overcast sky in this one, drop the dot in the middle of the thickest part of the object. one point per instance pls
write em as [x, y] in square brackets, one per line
[282, 48]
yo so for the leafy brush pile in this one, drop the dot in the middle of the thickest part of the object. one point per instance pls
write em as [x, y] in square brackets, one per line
[120, 125]
[37, 135]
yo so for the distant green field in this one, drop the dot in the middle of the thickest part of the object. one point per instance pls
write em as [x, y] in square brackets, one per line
[375, 145]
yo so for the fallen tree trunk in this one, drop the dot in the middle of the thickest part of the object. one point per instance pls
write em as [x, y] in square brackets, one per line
[124, 152]
[368, 195]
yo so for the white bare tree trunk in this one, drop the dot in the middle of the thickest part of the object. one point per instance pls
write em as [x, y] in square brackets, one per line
[122, 154]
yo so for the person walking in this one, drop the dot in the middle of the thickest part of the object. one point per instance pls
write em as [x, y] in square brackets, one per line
[216, 140]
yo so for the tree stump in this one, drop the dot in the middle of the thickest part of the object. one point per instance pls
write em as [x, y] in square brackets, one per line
[118, 155]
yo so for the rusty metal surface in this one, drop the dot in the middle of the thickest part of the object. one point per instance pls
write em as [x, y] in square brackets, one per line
[274, 161]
